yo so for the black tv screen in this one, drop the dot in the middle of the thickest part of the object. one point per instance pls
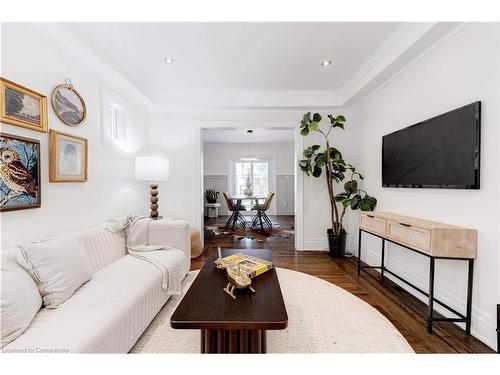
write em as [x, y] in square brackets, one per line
[442, 152]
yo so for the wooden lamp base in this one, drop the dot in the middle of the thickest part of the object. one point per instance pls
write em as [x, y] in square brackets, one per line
[154, 200]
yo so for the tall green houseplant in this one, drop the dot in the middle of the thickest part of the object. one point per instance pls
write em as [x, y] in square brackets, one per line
[328, 161]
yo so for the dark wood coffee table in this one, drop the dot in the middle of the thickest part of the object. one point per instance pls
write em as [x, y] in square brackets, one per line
[228, 325]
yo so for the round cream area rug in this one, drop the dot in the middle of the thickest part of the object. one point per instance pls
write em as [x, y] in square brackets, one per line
[322, 318]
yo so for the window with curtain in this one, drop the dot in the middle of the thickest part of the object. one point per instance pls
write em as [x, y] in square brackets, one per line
[259, 175]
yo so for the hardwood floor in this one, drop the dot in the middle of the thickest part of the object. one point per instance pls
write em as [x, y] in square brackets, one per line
[390, 300]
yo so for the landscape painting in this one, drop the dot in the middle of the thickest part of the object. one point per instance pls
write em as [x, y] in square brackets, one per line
[19, 173]
[22, 106]
[68, 105]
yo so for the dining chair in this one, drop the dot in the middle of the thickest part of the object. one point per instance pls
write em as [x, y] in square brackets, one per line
[261, 212]
[232, 208]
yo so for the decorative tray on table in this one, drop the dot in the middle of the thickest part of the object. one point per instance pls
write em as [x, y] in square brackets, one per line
[241, 268]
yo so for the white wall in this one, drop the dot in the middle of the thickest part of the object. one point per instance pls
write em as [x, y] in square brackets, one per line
[173, 134]
[217, 155]
[462, 69]
[31, 60]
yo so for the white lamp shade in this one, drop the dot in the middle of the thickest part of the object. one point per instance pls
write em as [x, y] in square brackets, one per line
[152, 168]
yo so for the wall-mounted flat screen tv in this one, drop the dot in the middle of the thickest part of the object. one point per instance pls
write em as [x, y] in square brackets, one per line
[442, 152]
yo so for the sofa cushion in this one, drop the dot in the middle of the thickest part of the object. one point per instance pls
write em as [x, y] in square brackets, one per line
[102, 246]
[59, 267]
[20, 299]
[106, 315]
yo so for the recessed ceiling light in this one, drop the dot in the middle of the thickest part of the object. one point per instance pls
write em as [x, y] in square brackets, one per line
[326, 62]
[169, 60]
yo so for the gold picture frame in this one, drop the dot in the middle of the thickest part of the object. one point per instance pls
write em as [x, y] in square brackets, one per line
[68, 104]
[68, 157]
[22, 106]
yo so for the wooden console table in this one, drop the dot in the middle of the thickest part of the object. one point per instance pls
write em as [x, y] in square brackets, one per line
[431, 239]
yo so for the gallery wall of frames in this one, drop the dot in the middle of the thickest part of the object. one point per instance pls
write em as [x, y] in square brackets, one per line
[20, 157]
[60, 172]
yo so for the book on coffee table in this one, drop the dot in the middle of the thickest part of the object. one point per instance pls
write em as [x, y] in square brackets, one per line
[252, 265]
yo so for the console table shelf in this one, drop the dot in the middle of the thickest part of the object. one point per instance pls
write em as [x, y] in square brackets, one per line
[431, 239]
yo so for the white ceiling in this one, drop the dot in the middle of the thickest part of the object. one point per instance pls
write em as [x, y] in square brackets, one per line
[240, 56]
[246, 65]
[259, 135]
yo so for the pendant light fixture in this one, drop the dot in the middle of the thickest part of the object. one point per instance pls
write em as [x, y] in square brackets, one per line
[250, 156]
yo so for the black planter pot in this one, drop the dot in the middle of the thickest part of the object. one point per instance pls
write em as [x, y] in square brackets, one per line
[336, 244]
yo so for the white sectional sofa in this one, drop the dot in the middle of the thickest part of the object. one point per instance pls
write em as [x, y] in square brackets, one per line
[108, 313]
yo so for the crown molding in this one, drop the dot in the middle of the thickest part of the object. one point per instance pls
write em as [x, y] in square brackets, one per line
[88, 44]
[397, 44]
[440, 34]
[73, 45]
[404, 37]
[284, 99]
[93, 35]
[433, 38]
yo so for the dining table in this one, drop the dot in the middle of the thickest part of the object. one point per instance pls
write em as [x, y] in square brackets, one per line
[238, 199]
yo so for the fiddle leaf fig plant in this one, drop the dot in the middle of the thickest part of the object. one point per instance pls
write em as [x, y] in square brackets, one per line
[353, 196]
[328, 160]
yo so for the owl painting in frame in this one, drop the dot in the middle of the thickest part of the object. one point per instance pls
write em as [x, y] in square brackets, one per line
[19, 173]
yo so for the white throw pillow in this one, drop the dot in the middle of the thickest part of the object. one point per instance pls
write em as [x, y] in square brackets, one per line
[20, 299]
[59, 267]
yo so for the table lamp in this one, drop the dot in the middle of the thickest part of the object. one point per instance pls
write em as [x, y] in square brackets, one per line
[153, 169]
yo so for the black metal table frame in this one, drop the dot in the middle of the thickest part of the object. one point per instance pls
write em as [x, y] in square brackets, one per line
[430, 294]
[234, 216]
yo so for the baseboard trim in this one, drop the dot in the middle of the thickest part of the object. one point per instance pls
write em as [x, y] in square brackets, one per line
[315, 244]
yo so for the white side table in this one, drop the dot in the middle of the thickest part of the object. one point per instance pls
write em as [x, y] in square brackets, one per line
[212, 209]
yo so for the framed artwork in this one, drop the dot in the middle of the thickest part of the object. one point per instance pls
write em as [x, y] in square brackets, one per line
[22, 107]
[19, 173]
[67, 157]
[68, 105]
